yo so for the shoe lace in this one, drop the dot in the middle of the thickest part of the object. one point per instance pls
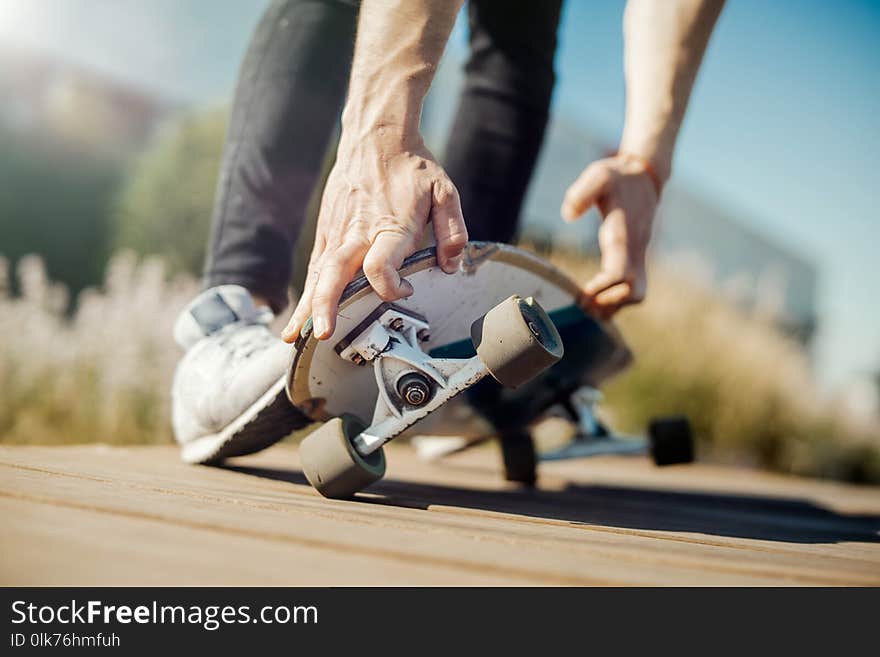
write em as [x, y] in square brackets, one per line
[240, 344]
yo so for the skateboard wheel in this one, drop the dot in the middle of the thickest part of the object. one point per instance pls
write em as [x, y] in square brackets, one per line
[516, 341]
[331, 463]
[671, 440]
[520, 461]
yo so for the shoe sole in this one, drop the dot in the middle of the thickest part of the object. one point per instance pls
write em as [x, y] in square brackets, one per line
[264, 423]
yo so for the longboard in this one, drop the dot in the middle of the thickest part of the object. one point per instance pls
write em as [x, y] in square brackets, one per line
[333, 378]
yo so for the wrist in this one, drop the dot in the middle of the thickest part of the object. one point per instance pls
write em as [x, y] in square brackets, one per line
[644, 166]
[651, 137]
[654, 150]
[379, 137]
[391, 97]
[388, 121]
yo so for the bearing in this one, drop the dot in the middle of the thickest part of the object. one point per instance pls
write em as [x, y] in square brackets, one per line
[414, 389]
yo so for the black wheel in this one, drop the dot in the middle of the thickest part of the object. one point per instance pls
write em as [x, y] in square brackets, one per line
[520, 461]
[331, 463]
[671, 440]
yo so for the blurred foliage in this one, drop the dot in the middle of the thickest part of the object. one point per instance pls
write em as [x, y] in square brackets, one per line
[61, 383]
[55, 200]
[748, 389]
[166, 202]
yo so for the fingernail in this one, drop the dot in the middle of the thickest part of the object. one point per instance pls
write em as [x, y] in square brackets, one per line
[407, 287]
[289, 331]
[319, 327]
[452, 265]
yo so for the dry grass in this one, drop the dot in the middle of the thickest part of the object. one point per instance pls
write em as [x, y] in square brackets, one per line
[103, 374]
[748, 389]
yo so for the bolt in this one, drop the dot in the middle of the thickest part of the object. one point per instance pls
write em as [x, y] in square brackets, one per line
[423, 335]
[415, 395]
[396, 324]
[414, 389]
[358, 360]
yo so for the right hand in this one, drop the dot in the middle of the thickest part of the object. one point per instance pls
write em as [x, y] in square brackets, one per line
[627, 197]
[379, 198]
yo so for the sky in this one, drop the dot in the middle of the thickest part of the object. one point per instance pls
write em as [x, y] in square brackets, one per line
[783, 126]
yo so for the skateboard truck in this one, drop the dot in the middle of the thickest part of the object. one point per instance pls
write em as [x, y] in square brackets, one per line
[668, 440]
[593, 438]
[514, 342]
[411, 384]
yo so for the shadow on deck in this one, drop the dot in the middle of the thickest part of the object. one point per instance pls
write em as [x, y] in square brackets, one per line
[715, 514]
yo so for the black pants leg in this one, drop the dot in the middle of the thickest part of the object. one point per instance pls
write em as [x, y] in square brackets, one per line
[499, 128]
[287, 102]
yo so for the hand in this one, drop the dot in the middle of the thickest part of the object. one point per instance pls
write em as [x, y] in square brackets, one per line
[626, 195]
[378, 200]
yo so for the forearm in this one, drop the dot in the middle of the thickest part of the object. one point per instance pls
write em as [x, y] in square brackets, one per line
[385, 188]
[399, 44]
[664, 44]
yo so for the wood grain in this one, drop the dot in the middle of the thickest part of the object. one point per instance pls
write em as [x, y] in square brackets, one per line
[98, 515]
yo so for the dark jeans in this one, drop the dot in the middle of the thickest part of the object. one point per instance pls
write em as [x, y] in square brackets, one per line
[290, 91]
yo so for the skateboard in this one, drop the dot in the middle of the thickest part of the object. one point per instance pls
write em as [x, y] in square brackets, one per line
[506, 338]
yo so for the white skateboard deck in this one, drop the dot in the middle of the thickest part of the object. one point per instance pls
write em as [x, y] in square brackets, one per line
[324, 385]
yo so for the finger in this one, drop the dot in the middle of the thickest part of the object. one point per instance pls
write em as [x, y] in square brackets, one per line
[336, 271]
[584, 192]
[613, 245]
[303, 308]
[614, 296]
[610, 283]
[607, 292]
[606, 302]
[381, 263]
[304, 304]
[450, 231]
[610, 301]
[602, 281]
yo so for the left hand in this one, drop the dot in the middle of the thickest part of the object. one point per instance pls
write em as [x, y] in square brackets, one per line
[627, 197]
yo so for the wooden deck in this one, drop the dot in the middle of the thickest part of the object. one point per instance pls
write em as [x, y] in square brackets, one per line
[97, 515]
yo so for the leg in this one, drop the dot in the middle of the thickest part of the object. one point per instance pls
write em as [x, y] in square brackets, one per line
[499, 128]
[493, 148]
[287, 102]
[228, 391]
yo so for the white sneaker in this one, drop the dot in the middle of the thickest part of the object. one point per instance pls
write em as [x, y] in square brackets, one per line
[228, 396]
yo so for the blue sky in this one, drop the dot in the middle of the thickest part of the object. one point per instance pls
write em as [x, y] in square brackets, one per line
[783, 127]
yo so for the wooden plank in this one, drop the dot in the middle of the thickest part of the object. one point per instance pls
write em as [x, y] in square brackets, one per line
[102, 515]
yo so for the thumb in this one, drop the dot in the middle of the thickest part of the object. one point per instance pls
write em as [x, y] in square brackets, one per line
[584, 192]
